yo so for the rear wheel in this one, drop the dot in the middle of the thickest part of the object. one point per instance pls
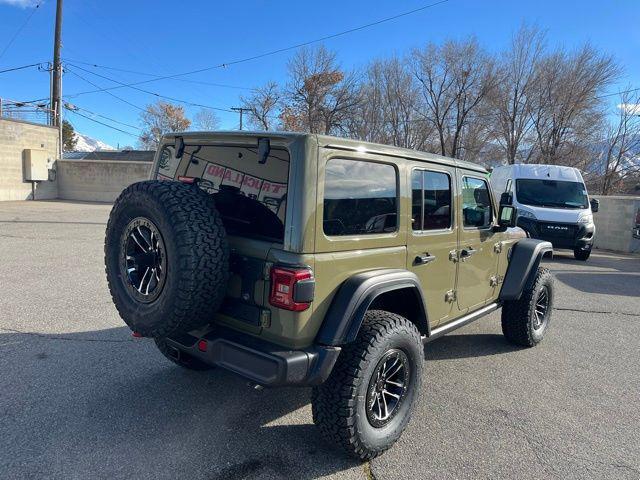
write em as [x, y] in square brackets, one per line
[367, 401]
[525, 321]
[580, 254]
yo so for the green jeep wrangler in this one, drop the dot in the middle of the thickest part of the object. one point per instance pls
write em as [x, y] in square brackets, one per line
[299, 259]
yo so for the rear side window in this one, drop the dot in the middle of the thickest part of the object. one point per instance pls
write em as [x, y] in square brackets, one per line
[251, 196]
[476, 203]
[360, 198]
[431, 200]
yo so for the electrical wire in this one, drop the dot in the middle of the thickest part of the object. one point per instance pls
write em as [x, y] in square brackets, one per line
[15, 35]
[279, 50]
[105, 91]
[75, 108]
[135, 72]
[21, 68]
[148, 92]
[103, 124]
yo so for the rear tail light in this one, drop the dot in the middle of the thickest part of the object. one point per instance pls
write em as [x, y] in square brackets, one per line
[291, 288]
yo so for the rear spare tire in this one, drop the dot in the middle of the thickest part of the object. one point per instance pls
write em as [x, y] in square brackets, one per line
[166, 257]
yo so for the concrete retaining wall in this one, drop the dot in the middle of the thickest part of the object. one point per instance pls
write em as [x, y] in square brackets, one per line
[615, 222]
[15, 137]
[97, 180]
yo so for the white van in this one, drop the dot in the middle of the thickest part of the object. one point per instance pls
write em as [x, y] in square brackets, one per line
[552, 204]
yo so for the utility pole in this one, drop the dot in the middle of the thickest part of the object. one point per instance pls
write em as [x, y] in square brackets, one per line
[56, 90]
[240, 110]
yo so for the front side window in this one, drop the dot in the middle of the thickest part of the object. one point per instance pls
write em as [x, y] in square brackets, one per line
[360, 198]
[431, 200]
[476, 203]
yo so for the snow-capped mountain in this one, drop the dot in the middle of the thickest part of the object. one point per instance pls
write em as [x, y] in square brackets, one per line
[85, 143]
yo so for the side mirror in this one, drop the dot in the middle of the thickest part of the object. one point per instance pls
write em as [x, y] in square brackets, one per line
[506, 198]
[595, 204]
[507, 216]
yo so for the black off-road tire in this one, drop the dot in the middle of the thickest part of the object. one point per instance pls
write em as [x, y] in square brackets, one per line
[520, 325]
[339, 405]
[580, 254]
[194, 251]
[180, 358]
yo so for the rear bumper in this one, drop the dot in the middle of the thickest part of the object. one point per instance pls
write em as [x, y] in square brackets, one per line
[561, 235]
[261, 362]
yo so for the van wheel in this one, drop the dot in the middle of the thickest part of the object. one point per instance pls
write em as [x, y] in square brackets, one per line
[580, 254]
[525, 321]
[180, 358]
[366, 403]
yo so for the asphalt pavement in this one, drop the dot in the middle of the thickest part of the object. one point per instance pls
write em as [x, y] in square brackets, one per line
[80, 398]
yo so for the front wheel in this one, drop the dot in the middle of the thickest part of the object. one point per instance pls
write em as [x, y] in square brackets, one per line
[366, 403]
[580, 254]
[525, 321]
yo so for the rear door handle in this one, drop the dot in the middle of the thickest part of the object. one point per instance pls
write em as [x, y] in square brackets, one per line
[467, 252]
[424, 259]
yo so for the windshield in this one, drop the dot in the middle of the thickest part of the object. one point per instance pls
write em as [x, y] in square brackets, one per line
[551, 193]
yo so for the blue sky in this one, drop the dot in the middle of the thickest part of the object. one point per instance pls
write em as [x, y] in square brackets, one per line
[163, 37]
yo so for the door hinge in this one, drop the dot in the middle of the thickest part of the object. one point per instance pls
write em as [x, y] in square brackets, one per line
[496, 280]
[450, 296]
[453, 255]
[497, 247]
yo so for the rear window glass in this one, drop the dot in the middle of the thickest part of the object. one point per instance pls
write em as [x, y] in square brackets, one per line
[359, 198]
[250, 196]
[431, 200]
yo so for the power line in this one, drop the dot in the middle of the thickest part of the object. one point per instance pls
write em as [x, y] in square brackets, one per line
[75, 108]
[148, 92]
[15, 35]
[135, 72]
[103, 124]
[279, 50]
[105, 91]
[21, 68]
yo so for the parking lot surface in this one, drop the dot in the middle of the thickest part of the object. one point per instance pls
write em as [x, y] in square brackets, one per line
[80, 398]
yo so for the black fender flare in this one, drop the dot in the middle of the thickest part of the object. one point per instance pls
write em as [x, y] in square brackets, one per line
[525, 258]
[344, 317]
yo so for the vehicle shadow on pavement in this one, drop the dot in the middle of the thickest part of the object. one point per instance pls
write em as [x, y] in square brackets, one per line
[101, 402]
[467, 346]
[600, 275]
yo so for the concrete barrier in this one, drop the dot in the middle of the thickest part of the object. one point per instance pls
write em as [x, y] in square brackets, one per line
[98, 180]
[616, 222]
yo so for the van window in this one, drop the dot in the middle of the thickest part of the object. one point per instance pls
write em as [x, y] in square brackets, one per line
[431, 200]
[551, 193]
[476, 203]
[360, 198]
[250, 196]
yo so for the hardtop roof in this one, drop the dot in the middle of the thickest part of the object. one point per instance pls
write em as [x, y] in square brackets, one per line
[328, 141]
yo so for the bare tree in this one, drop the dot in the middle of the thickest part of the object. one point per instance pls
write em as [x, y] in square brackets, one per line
[454, 78]
[622, 143]
[206, 120]
[567, 113]
[512, 100]
[320, 97]
[388, 110]
[158, 119]
[263, 105]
